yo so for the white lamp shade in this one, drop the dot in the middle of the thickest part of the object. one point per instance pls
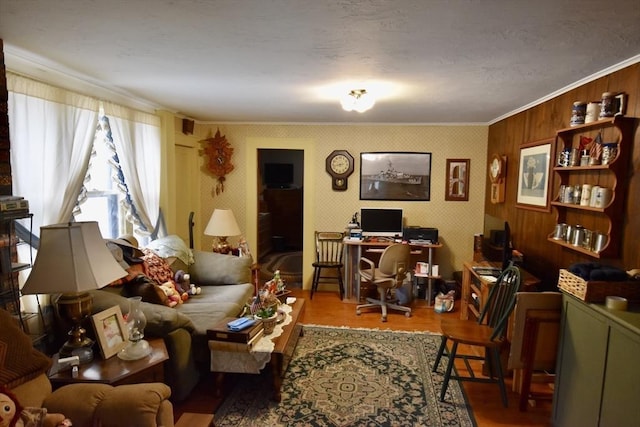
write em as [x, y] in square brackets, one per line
[222, 224]
[71, 258]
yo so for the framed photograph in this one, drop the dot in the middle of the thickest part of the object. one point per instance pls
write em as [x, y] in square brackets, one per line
[534, 175]
[111, 331]
[395, 176]
[457, 180]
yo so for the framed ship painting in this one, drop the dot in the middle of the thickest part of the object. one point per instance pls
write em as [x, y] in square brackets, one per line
[395, 176]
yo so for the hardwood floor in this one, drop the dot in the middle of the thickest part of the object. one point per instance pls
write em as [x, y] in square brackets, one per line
[327, 309]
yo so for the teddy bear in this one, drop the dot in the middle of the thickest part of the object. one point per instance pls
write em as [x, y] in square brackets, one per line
[12, 414]
[173, 296]
[183, 281]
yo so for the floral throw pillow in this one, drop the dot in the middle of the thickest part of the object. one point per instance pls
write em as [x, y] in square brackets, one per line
[156, 268]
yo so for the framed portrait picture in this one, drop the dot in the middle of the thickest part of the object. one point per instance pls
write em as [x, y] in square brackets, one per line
[534, 175]
[457, 180]
[111, 331]
[395, 176]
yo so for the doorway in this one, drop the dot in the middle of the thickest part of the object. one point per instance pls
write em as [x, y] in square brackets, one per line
[281, 213]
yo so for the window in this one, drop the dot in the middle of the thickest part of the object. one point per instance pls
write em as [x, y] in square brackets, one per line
[102, 198]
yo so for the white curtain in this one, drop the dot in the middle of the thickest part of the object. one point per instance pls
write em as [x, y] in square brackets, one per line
[136, 136]
[51, 132]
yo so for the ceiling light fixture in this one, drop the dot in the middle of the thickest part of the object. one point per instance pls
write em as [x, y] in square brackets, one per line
[359, 100]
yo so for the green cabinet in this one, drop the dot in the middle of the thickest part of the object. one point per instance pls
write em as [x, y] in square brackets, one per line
[598, 377]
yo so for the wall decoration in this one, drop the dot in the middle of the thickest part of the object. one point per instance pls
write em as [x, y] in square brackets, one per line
[395, 176]
[219, 152]
[457, 180]
[534, 175]
[111, 331]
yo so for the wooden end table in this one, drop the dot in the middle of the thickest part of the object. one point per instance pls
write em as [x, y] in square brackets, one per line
[115, 371]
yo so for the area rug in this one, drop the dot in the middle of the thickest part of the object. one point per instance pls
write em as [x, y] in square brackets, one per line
[351, 377]
[289, 264]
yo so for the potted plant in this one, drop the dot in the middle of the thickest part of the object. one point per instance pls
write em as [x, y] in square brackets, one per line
[269, 317]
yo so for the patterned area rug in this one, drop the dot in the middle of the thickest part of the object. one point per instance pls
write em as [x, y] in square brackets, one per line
[351, 377]
[289, 264]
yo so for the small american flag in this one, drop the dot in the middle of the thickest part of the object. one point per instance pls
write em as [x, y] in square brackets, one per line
[595, 152]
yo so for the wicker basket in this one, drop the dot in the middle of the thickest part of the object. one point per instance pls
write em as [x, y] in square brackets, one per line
[595, 291]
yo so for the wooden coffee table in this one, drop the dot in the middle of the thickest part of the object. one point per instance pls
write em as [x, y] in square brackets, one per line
[115, 371]
[279, 359]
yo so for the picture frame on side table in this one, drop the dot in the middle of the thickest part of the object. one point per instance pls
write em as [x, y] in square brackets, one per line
[457, 180]
[395, 176]
[534, 175]
[111, 331]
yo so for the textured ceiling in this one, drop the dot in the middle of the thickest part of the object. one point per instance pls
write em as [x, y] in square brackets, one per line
[456, 61]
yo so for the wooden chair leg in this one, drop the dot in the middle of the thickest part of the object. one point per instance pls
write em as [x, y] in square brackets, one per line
[443, 346]
[314, 284]
[447, 374]
[495, 352]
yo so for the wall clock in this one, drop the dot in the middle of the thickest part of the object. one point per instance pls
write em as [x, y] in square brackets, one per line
[219, 152]
[497, 173]
[339, 165]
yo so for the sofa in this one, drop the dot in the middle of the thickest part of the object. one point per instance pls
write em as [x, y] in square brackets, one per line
[23, 372]
[226, 284]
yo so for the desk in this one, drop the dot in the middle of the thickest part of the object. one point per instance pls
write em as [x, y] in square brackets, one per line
[353, 253]
[474, 283]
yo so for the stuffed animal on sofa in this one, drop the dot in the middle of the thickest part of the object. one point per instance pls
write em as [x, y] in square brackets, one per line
[173, 296]
[12, 414]
[183, 283]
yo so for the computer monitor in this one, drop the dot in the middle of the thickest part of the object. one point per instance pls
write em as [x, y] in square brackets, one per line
[381, 222]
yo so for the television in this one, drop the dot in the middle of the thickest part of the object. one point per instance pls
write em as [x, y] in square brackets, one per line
[381, 222]
[278, 175]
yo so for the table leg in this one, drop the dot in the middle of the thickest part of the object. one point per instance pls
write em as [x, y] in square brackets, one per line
[219, 379]
[277, 363]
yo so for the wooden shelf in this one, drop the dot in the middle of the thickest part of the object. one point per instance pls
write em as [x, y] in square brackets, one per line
[617, 129]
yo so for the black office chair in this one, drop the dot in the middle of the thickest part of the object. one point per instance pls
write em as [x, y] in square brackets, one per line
[329, 249]
[489, 332]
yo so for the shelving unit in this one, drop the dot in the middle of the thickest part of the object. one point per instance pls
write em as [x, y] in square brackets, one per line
[617, 129]
[9, 269]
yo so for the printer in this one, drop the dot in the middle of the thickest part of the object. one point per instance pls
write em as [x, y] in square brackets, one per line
[421, 234]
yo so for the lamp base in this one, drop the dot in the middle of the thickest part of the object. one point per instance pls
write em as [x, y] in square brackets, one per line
[75, 307]
[221, 246]
[135, 350]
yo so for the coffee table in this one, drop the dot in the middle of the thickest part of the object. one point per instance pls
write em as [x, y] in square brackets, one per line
[227, 358]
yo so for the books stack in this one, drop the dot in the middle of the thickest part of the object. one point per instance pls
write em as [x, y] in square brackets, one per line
[230, 335]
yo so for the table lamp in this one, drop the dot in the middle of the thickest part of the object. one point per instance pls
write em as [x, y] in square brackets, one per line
[222, 224]
[73, 259]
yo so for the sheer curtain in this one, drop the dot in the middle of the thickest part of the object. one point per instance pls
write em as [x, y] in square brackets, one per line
[52, 132]
[136, 136]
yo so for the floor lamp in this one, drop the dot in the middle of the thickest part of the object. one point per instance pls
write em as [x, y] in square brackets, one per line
[73, 259]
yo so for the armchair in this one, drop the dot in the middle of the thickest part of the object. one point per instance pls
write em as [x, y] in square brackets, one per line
[23, 370]
[390, 274]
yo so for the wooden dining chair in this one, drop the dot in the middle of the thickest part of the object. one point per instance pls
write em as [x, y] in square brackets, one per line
[329, 250]
[489, 332]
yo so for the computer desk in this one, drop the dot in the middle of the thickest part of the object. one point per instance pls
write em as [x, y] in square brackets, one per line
[472, 282]
[353, 253]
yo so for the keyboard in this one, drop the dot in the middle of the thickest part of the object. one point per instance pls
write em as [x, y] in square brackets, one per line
[487, 271]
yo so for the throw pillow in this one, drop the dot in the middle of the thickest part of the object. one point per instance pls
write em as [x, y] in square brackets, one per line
[19, 361]
[156, 267]
[211, 268]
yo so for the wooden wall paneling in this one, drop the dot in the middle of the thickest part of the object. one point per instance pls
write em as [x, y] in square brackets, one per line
[530, 228]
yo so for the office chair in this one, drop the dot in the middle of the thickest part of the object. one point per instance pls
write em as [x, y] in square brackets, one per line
[488, 332]
[329, 249]
[390, 274]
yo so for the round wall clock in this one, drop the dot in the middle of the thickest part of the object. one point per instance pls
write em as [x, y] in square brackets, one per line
[339, 165]
[497, 173]
[496, 168]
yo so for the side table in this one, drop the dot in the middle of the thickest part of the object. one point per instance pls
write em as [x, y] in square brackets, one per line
[115, 371]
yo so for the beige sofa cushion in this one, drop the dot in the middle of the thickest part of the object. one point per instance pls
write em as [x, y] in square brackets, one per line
[211, 268]
[19, 361]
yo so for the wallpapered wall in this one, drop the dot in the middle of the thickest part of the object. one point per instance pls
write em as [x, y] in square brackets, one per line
[330, 210]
